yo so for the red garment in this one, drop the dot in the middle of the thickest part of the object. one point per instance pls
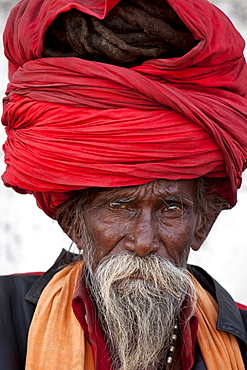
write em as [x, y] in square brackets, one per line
[73, 124]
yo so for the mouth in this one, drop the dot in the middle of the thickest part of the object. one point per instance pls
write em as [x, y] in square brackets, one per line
[138, 276]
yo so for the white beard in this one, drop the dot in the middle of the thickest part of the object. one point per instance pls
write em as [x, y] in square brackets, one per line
[139, 300]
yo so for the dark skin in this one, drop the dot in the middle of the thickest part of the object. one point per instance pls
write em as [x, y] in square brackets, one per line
[159, 217]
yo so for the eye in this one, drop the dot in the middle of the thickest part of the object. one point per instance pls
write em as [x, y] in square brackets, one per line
[172, 208]
[117, 205]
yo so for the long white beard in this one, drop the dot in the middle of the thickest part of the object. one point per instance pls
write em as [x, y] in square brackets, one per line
[139, 299]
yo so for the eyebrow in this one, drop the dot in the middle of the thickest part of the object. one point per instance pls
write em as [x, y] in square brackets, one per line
[116, 198]
[177, 198]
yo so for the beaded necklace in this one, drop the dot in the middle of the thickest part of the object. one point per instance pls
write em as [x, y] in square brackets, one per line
[171, 350]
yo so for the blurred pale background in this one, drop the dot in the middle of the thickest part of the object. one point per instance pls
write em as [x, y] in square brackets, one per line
[30, 241]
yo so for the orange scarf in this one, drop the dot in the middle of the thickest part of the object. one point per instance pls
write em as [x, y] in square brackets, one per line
[220, 350]
[56, 340]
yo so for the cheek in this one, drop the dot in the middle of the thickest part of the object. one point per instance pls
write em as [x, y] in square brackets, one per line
[177, 241]
[104, 233]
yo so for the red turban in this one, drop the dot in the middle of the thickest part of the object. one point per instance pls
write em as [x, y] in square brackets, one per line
[73, 123]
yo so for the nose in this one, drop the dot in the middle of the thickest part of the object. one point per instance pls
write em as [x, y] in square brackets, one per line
[142, 238]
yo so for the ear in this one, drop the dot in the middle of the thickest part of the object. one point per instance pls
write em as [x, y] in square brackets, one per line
[74, 237]
[200, 236]
[205, 222]
[73, 233]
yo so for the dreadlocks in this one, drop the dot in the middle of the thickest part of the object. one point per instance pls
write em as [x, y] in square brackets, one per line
[130, 34]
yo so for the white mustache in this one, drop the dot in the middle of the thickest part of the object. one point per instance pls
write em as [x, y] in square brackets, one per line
[149, 269]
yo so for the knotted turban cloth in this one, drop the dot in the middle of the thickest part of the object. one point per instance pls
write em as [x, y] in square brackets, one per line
[73, 124]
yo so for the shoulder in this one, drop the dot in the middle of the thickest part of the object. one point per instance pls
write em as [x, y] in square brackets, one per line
[243, 311]
[232, 316]
[12, 283]
[17, 287]
[13, 288]
[19, 295]
[241, 306]
[15, 317]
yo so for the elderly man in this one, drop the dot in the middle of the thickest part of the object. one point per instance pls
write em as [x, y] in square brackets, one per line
[127, 122]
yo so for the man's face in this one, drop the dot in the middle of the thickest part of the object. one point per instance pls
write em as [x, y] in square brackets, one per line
[159, 217]
[133, 238]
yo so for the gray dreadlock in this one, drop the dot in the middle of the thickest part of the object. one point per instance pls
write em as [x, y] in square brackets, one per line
[131, 33]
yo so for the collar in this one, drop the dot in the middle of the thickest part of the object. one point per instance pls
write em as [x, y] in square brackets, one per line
[36, 289]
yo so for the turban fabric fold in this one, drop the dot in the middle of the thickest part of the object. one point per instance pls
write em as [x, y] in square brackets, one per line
[73, 124]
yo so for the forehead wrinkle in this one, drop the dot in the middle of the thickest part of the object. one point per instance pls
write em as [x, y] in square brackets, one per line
[158, 188]
[113, 194]
[168, 188]
[133, 192]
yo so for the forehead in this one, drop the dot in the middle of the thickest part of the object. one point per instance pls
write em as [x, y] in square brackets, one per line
[186, 189]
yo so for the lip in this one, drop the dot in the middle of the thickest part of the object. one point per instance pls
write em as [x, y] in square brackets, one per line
[139, 277]
[136, 277]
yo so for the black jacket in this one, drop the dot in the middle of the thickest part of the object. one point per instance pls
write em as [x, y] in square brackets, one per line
[19, 295]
